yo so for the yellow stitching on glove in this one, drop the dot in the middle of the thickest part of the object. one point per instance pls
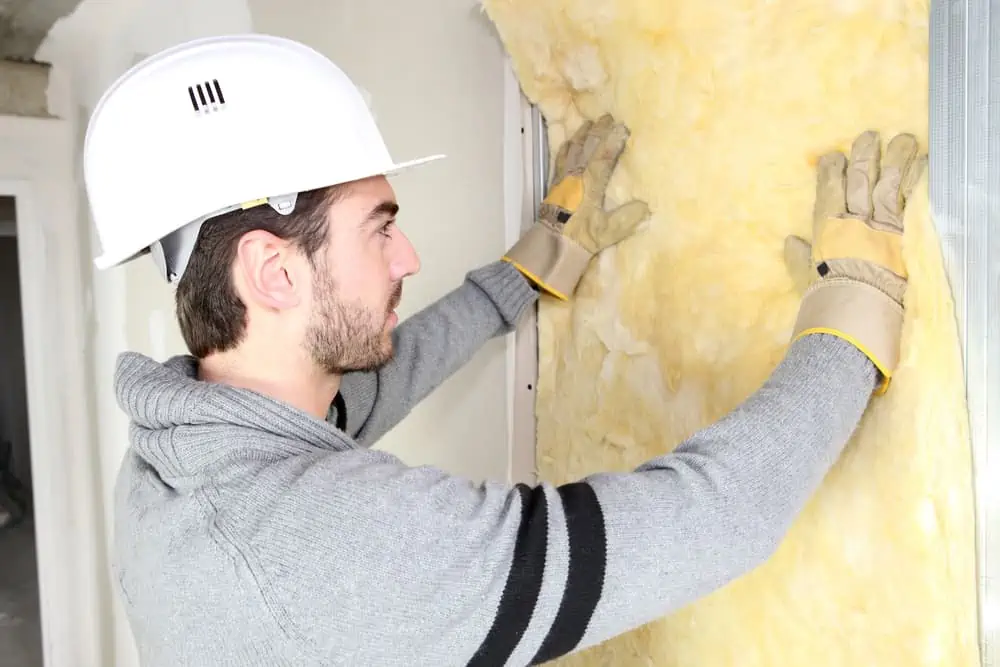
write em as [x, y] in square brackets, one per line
[851, 238]
[535, 279]
[567, 194]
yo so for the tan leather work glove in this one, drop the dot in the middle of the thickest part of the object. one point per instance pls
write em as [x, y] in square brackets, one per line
[852, 275]
[573, 225]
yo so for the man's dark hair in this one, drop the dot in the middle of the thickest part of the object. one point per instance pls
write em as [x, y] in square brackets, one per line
[211, 316]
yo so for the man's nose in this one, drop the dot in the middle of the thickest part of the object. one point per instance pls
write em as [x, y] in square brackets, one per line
[405, 261]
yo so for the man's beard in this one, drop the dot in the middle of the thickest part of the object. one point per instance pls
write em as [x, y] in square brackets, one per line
[345, 337]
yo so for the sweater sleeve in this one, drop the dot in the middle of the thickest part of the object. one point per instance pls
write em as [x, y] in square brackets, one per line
[430, 346]
[388, 564]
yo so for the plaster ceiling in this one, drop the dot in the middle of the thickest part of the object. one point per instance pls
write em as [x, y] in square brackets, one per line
[24, 24]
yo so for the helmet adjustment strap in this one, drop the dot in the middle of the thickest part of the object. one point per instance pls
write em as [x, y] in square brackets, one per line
[172, 253]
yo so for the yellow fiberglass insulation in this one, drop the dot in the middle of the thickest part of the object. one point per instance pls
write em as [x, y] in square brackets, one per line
[730, 104]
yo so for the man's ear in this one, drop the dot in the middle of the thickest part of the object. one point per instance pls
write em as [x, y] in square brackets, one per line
[267, 271]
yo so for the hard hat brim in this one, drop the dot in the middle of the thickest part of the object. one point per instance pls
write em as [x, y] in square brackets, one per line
[109, 260]
[403, 166]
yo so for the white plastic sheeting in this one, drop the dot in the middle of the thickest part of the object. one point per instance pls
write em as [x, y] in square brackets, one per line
[964, 158]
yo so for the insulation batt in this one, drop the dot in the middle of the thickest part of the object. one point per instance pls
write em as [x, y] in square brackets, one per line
[730, 104]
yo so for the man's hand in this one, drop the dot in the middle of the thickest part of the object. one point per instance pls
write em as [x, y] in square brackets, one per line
[852, 276]
[573, 225]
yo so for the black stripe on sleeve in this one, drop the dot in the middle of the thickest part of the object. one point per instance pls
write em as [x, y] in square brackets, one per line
[524, 582]
[585, 581]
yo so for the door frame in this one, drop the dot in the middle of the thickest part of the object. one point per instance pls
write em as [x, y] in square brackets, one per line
[37, 157]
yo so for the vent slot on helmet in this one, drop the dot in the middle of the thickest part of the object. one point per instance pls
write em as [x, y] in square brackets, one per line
[206, 96]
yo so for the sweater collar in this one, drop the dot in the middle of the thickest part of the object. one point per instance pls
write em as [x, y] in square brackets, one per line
[169, 397]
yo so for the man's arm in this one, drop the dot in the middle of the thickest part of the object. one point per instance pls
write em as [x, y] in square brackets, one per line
[552, 257]
[411, 565]
[431, 345]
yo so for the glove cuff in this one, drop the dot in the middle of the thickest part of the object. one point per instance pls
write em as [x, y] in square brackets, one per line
[549, 259]
[859, 313]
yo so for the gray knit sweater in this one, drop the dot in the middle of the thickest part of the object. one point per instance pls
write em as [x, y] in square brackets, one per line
[248, 533]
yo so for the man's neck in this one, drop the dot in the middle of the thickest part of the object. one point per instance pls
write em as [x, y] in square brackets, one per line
[292, 381]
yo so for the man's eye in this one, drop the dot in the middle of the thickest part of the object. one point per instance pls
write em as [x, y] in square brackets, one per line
[386, 229]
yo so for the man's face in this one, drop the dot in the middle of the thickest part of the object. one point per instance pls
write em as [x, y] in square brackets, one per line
[358, 281]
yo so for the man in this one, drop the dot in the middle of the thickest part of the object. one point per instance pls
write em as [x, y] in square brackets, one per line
[254, 525]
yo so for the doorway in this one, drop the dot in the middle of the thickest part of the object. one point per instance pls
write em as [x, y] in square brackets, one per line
[20, 619]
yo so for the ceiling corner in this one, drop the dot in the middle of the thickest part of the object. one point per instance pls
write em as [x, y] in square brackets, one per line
[24, 24]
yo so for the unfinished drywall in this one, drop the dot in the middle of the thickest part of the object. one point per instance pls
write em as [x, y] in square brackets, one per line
[730, 104]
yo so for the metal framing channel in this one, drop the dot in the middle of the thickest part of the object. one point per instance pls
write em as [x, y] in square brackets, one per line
[540, 156]
[964, 155]
[524, 443]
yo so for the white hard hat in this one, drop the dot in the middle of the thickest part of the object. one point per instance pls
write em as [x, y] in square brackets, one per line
[217, 124]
